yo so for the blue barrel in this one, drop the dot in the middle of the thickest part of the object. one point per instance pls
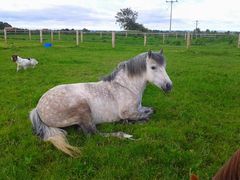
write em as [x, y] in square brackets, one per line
[47, 45]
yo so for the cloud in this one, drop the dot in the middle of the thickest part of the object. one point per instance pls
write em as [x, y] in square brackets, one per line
[99, 14]
[59, 13]
[153, 16]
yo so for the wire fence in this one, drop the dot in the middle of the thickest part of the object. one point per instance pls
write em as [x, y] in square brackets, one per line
[76, 37]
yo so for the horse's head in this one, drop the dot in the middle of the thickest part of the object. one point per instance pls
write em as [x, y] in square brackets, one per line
[14, 58]
[156, 71]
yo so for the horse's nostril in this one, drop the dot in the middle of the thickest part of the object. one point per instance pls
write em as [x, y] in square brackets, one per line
[168, 86]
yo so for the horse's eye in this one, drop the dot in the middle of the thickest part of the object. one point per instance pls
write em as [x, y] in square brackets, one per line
[153, 67]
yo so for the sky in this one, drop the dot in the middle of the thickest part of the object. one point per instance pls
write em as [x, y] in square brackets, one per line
[100, 14]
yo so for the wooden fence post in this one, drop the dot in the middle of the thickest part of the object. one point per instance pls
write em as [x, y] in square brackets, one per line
[59, 35]
[239, 40]
[29, 35]
[41, 37]
[145, 39]
[113, 39]
[81, 36]
[188, 40]
[185, 36]
[51, 35]
[100, 34]
[126, 34]
[163, 36]
[5, 35]
[176, 35]
[77, 37]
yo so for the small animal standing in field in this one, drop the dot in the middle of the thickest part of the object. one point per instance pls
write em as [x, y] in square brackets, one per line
[24, 63]
[117, 96]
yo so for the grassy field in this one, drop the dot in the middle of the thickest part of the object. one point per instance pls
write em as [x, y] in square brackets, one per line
[196, 127]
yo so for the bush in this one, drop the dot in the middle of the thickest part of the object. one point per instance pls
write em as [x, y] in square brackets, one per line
[199, 41]
[176, 42]
[231, 40]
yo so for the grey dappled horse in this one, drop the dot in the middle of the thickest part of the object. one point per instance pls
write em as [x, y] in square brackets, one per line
[116, 97]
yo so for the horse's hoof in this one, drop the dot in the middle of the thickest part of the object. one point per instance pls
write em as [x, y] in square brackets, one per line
[147, 111]
[124, 121]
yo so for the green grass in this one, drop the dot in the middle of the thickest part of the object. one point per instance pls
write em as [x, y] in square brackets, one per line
[196, 127]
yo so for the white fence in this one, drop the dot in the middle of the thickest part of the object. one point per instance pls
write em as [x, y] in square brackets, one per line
[56, 35]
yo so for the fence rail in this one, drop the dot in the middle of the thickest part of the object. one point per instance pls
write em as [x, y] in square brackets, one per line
[176, 38]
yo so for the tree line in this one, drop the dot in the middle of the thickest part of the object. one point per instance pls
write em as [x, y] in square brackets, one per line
[4, 24]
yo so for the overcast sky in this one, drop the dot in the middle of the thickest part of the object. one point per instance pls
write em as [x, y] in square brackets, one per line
[99, 14]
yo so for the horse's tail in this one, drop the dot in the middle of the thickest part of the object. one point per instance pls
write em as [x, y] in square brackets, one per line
[56, 136]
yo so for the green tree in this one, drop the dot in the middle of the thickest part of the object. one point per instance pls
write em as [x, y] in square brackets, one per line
[197, 30]
[126, 18]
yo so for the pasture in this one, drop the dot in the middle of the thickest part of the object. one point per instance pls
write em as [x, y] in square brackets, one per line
[195, 128]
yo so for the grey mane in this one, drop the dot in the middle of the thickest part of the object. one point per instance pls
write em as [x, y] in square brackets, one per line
[112, 76]
[134, 67]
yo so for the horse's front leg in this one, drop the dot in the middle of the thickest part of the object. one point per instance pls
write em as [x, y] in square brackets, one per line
[136, 114]
[147, 110]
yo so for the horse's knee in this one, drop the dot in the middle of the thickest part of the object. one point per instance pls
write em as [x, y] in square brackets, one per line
[129, 115]
[124, 115]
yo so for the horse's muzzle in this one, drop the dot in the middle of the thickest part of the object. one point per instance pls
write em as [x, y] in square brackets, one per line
[168, 87]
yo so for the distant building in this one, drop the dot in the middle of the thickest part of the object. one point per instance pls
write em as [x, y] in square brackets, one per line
[13, 29]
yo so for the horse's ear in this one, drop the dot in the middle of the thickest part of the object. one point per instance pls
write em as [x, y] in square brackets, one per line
[161, 51]
[149, 53]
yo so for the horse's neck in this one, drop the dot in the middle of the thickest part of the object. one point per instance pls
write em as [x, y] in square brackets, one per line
[135, 84]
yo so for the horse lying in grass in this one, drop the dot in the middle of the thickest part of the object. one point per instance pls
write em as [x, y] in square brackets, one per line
[117, 96]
